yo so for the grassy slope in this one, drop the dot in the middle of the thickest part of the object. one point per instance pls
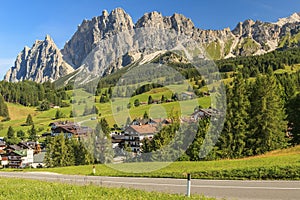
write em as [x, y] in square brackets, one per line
[288, 41]
[280, 164]
[19, 114]
[288, 69]
[32, 189]
[41, 120]
[214, 50]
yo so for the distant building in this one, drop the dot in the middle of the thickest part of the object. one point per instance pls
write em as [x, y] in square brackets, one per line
[69, 129]
[134, 135]
[187, 96]
[136, 131]
[18, 156]
[39, 160]
[204, 113]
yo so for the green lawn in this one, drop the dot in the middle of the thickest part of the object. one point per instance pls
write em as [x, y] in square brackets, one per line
[283, 164]
[114, 112]
[41, 120]
[12, 189]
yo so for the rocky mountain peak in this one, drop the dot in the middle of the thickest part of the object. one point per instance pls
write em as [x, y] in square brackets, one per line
[92, 32]
[119, 20]
[105, 13]
[152, 19]
[48, 38]
[181, 23]
[42, 62]
[291, 19]
[244, 28]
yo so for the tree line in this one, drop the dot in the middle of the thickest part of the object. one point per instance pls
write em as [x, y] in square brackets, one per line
[254, 65]
[259, 115]
[29, 93]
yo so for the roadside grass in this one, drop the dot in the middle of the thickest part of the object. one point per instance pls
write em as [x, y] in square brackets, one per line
[33, 189]
[276, 165]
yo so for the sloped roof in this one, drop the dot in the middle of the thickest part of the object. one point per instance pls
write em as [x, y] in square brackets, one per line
[21, 152]
[143, 129]
[14, 147]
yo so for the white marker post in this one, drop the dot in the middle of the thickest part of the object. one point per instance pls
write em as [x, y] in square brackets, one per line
[188, 190]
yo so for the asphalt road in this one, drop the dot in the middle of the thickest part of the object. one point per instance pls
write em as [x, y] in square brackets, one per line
[213, 188]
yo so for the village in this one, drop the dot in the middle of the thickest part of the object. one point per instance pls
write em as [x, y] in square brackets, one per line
[31, 154]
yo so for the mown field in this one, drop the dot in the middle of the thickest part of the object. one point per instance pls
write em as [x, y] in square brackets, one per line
[12, 189]
[283, 165]
[18, 113]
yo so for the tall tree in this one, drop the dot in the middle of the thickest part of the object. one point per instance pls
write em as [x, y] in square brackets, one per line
[294, 119]
[105, 127]
[29, 120]
[150, 100]
[233, 139]
[197, 147]
[10, 133]
[103, 152]
[59, 114]
[32, 134]
[59, 152]
[136, 103]
[10, 136]
[146, 116]
[21, 134]
[3, 108]
[267, 116]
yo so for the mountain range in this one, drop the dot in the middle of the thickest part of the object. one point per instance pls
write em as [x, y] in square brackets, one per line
[45, 62]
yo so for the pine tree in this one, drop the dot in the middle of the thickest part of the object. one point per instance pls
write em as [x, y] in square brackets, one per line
[163, 99]
[150, 100]
[45, 105]
[10, 136]
[103, 151]
[32, 134]
[81, 154]
[136, 103]
[59, 114]
[10, 133]
[128, 121]
[21, 134]
[146, 116]
[105, 127]
[29, 120]
[60, 152]
[71, 114]
[294, 118]
[197, 147]
[267, 122]
[233, 138]
[3, 108]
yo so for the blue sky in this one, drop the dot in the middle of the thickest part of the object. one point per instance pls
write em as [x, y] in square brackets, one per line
[22, 22]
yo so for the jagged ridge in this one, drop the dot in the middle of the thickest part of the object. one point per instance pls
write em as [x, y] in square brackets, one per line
[43, 62]
[248, 38]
